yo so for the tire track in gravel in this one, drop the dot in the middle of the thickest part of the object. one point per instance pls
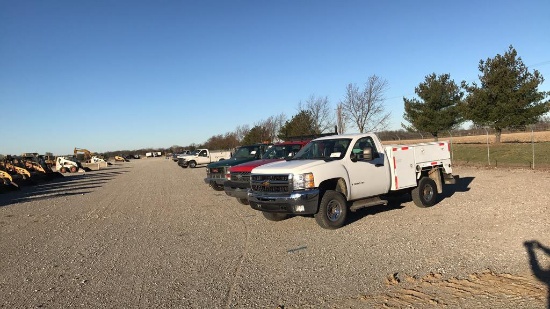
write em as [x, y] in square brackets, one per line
[483, 290]
[238, 270]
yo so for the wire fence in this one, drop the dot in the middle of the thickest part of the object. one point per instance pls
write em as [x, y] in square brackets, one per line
[527, 147]
[402, 135]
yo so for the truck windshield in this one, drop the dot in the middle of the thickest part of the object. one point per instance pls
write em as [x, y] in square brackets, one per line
[247, 152]
[281, 151]
[325, 149]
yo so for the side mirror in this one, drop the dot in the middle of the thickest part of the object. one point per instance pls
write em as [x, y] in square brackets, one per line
[367, 154]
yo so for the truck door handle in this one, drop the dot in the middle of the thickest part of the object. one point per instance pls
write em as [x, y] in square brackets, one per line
[379, 164]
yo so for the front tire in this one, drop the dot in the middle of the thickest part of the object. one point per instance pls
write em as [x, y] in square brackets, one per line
[192, 164]
[216, 186]
[73, 169]
[333, 210]
[274, 216]
[425, 194]
[243, 201]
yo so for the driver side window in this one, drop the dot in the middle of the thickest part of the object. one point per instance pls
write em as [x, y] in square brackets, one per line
[362, 143]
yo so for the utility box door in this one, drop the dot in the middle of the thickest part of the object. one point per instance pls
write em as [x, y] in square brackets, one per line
[402, 162]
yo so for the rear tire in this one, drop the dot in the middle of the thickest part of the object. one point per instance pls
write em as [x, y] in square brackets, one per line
[243, 201]
[333, 210]
[274, 216]
[73, 169]
[63, 170]
[425, 194]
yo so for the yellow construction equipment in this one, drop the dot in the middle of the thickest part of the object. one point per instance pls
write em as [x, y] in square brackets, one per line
[49, 159]
[88, 156]
[10, 167]
[19, 175]
[37, 163]
[121, 159]
[86, 153]
[6, 182]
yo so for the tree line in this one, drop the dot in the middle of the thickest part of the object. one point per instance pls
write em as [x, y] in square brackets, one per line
[505, 98]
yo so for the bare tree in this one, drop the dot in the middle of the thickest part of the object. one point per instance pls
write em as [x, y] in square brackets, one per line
[241, 131]
[272, 125]
[320, 111]
[366, 108]
[280, 121]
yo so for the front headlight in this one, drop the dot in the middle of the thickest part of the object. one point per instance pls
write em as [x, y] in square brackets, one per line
[303, 181]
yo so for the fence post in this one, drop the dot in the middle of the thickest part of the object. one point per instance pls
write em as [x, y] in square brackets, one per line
[533, 145]
[452, 155]
[488, 154]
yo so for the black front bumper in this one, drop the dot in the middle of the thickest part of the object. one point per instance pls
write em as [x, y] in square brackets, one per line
[218, 179]
[236, 189]
[298, 203]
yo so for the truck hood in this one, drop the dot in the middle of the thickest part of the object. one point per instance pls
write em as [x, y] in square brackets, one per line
[185, 156]
[230, 162]
[248, 166]
[285, 167]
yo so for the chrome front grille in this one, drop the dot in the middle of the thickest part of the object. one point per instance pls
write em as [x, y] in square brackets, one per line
[240, 176]
[271, 183]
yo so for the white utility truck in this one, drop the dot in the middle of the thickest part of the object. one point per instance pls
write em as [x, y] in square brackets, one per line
[336, 174]
[202, 157]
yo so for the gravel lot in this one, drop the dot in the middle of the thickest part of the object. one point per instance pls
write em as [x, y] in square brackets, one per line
[147, 233]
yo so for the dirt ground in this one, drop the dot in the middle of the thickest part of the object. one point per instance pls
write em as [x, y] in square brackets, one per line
[148, 233]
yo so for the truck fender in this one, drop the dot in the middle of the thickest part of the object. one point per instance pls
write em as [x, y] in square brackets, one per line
[335, 184]
[336, 177]
[342, 187]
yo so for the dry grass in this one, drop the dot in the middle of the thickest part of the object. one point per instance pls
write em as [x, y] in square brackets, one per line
[519, 137]
[515, 149]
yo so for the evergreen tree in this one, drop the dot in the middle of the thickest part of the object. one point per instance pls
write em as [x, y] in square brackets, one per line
[437, 108]
[257, 134]
[508, 96]
[300, 124]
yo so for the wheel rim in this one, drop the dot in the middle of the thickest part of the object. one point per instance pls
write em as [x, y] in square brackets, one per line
[334, 210]
[428, 193]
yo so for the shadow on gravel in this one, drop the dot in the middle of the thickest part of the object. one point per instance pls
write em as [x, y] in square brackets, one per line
[76, 184]
[461, 185]
[542, 274]
[394, 203]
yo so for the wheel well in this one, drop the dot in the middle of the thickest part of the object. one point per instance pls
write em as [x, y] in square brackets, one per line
[336, 184]
[435, 173]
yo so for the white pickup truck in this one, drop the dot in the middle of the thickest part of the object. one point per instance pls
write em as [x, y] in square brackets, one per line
[340, 173]
[202, 157]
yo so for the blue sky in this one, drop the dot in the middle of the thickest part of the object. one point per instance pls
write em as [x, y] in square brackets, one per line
[115, 75]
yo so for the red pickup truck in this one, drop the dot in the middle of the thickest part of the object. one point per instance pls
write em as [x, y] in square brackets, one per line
[238, 177]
